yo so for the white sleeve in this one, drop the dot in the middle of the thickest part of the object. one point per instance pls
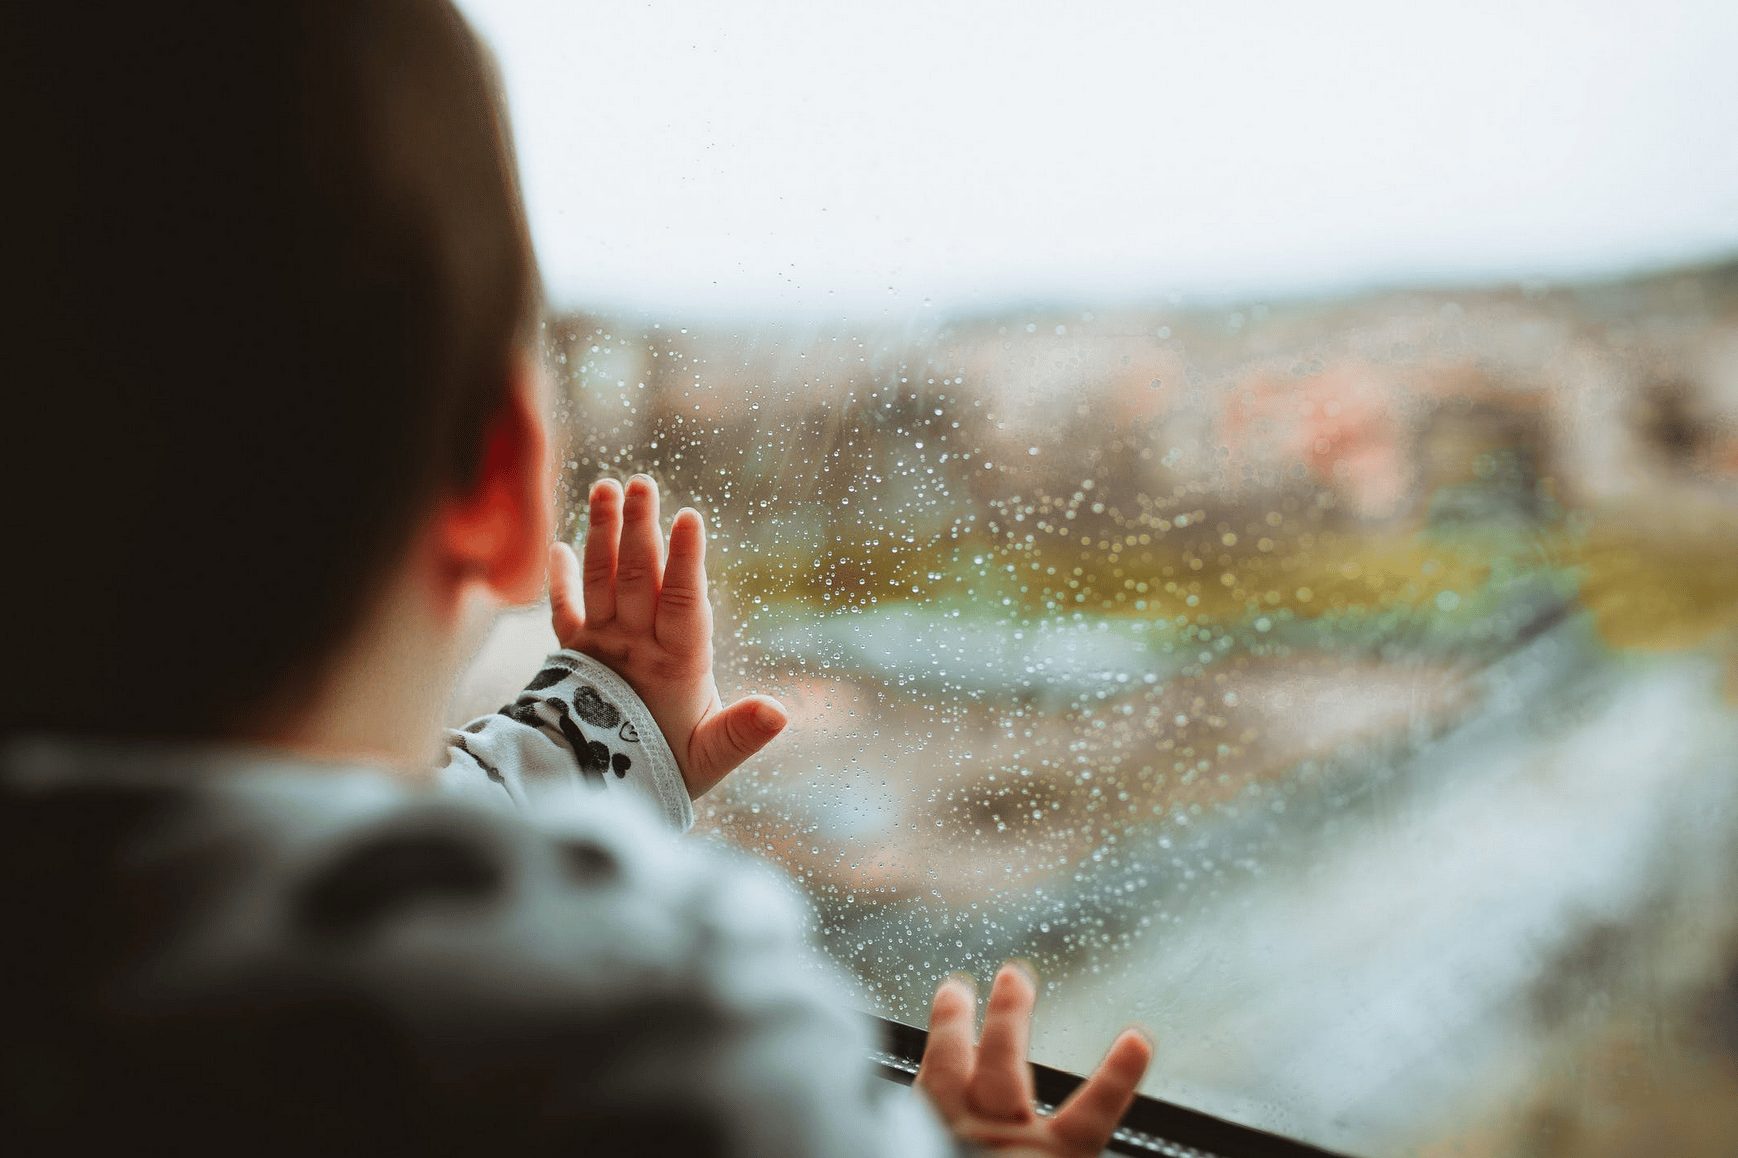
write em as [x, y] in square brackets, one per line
[576, 724]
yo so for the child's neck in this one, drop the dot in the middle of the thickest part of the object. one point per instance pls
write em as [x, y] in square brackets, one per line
[381, 702]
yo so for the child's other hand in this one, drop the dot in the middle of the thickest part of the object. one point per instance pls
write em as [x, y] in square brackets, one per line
[984, 1091]
[649, 619]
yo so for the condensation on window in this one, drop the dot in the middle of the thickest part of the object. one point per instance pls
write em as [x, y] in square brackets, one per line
[1342, 682]
[1344, 689]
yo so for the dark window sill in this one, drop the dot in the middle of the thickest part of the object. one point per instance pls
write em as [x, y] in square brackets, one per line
[1150, 1127]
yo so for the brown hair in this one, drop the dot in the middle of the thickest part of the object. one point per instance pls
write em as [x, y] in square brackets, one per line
[275, 264]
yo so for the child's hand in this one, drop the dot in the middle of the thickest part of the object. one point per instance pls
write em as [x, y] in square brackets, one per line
[650, 620]
[984, 1092]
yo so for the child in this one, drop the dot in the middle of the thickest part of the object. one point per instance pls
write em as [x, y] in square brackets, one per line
[285, 455]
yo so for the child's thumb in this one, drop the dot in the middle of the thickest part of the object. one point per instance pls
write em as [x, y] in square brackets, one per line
[730, 736]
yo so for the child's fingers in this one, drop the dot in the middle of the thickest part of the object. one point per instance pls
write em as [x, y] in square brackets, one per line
[1002, 1083]
[729, 736]
[947, 1056]
[566, 603]
[602, 543]
[1086, 1120]
[639, 565]
[684, 615]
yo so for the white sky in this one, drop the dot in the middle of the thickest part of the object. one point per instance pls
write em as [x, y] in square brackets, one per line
[864, 157]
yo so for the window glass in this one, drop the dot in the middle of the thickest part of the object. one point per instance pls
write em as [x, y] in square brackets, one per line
[1241, 502]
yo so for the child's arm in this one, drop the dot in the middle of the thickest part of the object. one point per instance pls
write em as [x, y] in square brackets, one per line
[646, 614]
[629, 704]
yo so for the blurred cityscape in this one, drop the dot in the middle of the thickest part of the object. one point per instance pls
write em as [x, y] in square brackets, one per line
[1345, 689]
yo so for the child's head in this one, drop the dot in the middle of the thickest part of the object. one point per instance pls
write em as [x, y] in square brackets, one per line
[278, 297]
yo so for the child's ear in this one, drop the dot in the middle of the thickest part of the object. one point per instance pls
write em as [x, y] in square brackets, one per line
[498, 530]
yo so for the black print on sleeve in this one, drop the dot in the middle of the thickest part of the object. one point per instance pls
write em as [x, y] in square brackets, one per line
[591, 765]
[594, 709]
[489, 769]
[595, 761]
[593, 757]
[524, 714]
[547, 678]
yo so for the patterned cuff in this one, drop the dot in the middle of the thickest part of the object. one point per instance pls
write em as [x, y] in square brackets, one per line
[610, 730]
